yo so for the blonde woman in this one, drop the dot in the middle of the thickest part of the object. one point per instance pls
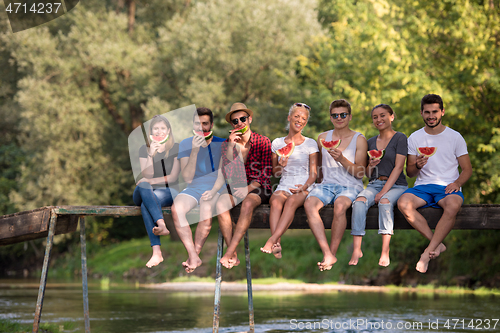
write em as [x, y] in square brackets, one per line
[298, 174]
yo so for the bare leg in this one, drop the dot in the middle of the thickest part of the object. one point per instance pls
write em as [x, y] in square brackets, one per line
[339, 223]
[408, 204]
[224, 204]
[312, 206]
[277, 202]
[205, 224]
[156, 258]
[182, 205]
[384, 257]
[356, 251]
[291, 205]
[247, 207]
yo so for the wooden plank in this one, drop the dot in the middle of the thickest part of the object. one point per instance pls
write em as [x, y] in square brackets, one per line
[469, 217]
[104, 210]
[33, 224]
[24, 227]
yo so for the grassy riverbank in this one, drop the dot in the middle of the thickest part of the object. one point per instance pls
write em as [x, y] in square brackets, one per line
[468, 262]
[13, 327]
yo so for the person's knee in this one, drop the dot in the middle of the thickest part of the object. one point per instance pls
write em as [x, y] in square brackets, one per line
[452, 206]
[404, 204]
[362, 199]
[248, 205]
[309, 206]
[340, 207]
[385, 201]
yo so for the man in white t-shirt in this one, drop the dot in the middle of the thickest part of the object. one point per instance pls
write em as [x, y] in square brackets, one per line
[438, 182]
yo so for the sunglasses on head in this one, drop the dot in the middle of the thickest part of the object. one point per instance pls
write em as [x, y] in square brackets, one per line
[242, 119]
[342, 115]
[302, 105]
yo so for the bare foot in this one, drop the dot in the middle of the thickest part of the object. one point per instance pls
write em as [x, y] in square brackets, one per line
[234, 261]
[423, 263]
[225, 262]
[277, 250]
[356, 254]
[161, 229]
[384, 260]
[327, 263]
[268, 247]
[156, 258]
[191, 264]
[434, 254]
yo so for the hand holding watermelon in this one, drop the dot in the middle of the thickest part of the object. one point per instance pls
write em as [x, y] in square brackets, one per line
[421, 161]
[153, 148]
[199, 141]
[283, 161]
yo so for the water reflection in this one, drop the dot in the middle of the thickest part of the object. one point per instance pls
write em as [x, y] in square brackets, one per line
[127, 309]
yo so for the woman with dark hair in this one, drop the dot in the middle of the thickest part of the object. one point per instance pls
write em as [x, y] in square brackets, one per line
[387, 183]
[157, 187]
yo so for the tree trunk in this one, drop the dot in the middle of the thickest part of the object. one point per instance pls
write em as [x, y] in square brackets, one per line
[131, 16]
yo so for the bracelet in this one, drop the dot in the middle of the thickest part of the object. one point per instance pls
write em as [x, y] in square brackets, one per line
[416, 166]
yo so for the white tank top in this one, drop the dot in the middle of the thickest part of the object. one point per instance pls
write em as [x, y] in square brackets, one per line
[333, 171]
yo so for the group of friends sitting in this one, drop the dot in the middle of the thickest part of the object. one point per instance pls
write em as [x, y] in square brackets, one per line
[222, 173]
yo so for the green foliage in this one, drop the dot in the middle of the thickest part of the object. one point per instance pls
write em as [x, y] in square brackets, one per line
[13, 327]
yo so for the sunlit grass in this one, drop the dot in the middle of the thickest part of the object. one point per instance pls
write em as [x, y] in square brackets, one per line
[14, 327]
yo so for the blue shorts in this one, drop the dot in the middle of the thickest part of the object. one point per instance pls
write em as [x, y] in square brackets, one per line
[328, 193]
[431, 194]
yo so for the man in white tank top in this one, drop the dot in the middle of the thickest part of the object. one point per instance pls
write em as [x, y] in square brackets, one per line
[341, 171]
[438, 181]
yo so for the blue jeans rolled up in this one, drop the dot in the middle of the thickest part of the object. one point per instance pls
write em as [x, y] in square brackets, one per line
[151, 201]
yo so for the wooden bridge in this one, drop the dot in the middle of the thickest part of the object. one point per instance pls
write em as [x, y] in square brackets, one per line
[53, 220]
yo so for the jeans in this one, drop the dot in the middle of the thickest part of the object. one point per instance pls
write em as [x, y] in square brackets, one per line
[385, 211]
[151, 200]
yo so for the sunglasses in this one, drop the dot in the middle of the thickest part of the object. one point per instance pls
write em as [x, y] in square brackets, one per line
[242, 119]
[342, 115]
[302, 105]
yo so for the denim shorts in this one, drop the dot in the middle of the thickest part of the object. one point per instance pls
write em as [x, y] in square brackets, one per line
[431, 193]
[328, 193]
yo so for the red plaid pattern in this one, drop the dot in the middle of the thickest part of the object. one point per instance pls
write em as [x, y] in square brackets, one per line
[257, 167]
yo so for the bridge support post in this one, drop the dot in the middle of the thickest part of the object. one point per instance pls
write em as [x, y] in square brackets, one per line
[218, 280]
[85, 288]
[249, 284]
[43, 279]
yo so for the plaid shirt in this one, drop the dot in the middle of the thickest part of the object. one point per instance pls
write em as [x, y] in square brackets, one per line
[257, 167]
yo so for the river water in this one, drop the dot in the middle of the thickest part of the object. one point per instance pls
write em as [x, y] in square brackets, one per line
[125, 308]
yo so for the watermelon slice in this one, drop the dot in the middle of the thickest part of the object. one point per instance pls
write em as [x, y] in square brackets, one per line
[427, 151]
[159, 138]
[286, 151]
[376, 154]
[330, 144]
[241, 130]
[206, 135]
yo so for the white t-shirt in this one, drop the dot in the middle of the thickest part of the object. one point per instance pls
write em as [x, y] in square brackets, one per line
[297, 168]
[442, 167]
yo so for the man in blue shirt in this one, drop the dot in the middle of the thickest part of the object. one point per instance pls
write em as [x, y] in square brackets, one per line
[199, 158]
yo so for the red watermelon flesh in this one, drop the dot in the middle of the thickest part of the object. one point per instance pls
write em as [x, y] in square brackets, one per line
[376, 154]
[159, 138]
[427, 151]
[241, 130]
[286, 151]
[330, 144]
[206, 135]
